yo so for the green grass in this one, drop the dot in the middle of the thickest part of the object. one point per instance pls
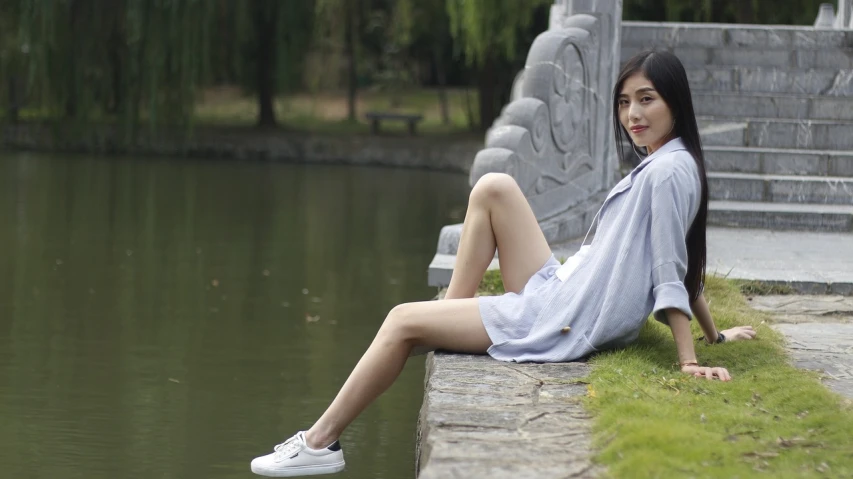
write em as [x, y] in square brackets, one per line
[322, 112]
[771, 420]
[326, 112]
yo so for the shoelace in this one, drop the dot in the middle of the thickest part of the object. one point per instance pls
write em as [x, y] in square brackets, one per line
[289, 447]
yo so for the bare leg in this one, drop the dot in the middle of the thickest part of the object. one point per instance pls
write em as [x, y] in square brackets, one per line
[453, 324]
[498, 216]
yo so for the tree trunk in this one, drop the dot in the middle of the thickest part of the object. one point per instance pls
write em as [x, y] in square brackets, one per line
[14, 98]
[718, 10]
[265, 13]
[441, 76]
[73, 61]
[349, 48]
[488, 93]
[116, 52]
[745, 12]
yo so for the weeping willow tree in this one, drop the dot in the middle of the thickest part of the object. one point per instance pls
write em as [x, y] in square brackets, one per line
[493, 35]
[143, 63]
[137, 61]
[12, 53]
[421, 28]
[338, 30]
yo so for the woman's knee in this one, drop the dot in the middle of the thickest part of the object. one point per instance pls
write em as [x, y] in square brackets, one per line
[493, 187]
[401, 323]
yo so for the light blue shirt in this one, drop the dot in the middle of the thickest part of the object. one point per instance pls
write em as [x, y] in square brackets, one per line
[635, 265]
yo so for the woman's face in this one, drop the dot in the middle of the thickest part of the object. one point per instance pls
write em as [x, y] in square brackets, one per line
[644, 114]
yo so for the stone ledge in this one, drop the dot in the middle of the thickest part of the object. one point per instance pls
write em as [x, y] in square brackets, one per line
[482, 418]
[448, 154]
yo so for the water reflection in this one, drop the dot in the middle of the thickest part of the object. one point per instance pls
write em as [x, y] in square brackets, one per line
[173, 319]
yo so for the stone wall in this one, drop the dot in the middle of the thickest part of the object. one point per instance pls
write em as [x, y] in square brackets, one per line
[486, 419]
[445, 153]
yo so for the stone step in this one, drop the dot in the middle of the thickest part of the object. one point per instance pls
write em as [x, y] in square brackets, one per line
[730, 133]
[784, 37]
[774, 161]
[777, 133]
[781, 216]
[773, 105]
[751, 79]
[780, 188]
[699, 45]
[698, 57]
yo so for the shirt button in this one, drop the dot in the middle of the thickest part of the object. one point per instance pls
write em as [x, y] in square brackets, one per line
[565, 330]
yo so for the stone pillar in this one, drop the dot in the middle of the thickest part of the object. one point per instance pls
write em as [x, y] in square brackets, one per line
[844, 15]
[825, 16]
[556, 136]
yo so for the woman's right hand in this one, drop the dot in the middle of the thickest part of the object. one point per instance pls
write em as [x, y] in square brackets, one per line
[707, 372]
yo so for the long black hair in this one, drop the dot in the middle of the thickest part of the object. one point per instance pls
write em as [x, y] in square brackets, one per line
[668, 77]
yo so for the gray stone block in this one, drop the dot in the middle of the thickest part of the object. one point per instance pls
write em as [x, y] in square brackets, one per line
[722, 133]
[754, 57]
[791, 217]
[837, 59]
[448, 239]
[715, 79]
[841, 163]
[759, 37]
[735, 187]
[806, 134]
[822, 39]
[732, 160]
[671, 34]
[693, 56]
[484, 418]
[843, 289]
[786, 80]
[749, 36]
[776, 162]
[753, 105]
[834, 108]
[780, 188]
[828, 190]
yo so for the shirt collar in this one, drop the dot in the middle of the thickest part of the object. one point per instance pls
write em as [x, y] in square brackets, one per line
[674, 144]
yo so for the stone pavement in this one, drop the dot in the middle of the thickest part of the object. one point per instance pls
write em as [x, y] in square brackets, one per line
[819, 330]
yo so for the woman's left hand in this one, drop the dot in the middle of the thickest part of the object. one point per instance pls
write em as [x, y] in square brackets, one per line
[739, 333]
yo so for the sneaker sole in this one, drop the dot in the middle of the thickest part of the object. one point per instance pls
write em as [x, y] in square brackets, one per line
[302, 470]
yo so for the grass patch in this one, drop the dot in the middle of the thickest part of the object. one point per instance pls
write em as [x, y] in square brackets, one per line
[492, 284]
[327, 112]
[758, 288]
[771, 420]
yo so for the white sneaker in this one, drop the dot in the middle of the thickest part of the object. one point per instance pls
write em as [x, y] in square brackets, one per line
[294, 458]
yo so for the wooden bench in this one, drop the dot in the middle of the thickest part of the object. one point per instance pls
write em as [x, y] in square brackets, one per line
[376, 117]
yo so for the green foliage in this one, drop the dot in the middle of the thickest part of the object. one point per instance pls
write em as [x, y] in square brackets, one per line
[492, 283]
[490, 27]
[143, 61]
[140, 59]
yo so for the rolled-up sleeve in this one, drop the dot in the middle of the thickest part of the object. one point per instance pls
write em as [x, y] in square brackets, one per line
[669, 217]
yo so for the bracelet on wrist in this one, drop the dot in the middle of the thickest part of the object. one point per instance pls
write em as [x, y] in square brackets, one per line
[721, 338]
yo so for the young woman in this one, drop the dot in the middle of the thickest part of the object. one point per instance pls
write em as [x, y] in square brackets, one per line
[648, 256]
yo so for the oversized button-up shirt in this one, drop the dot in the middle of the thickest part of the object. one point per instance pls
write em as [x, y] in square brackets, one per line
[635, 265]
